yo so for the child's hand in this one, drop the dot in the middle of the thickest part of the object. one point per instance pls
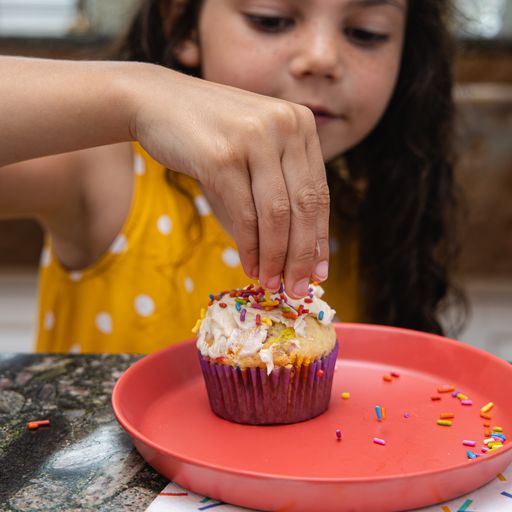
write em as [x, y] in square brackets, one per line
[260, 155]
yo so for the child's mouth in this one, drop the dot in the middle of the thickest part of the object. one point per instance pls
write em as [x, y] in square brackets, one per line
[322, 115]
[322, 119]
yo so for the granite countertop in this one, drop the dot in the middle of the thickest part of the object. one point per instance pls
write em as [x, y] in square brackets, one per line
[83, 460]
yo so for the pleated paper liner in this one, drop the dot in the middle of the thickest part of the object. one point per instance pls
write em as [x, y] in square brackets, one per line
[287, 395]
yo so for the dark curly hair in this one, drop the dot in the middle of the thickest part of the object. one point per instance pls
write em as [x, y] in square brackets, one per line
[405, 210]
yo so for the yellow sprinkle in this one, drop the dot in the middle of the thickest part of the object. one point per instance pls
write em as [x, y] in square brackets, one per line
[496, 444]
[345, 395]
[444, 508]
[195, 329]
[267, 321]
[202, 314]
[487, 407]
[502, 477]
[462, 396]
[497, 429]
[269, 303]
[445, 423]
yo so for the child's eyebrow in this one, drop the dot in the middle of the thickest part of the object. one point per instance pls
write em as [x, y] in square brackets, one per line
[373, 3]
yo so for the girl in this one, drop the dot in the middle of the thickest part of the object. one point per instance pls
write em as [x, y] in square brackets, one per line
[131, 256]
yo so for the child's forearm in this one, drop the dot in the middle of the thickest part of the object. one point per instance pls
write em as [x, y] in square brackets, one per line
[51, 106]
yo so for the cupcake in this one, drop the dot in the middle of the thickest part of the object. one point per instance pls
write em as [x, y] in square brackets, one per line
[266, 358]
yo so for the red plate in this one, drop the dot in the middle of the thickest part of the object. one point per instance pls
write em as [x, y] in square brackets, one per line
[162, 403]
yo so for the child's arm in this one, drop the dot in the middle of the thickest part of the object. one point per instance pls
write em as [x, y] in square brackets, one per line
[260, 155]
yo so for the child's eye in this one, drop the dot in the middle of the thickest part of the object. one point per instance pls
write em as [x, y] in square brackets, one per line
[269, 23]
[365, 37]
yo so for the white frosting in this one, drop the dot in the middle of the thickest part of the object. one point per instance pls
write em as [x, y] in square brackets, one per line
[227, 332]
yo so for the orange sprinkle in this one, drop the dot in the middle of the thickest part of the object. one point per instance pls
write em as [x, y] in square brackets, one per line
[387, 378]
[445, 389]
[291, 315]
[446, 415]
[487, 433]
[487, 424]
[485, 416]
[34, 425]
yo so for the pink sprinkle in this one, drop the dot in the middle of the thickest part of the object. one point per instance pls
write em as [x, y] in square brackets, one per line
[377, 440]
[406, 415]
[466, 402]
[256, 305]
[338, 434]
[467, 442]
[485, 449]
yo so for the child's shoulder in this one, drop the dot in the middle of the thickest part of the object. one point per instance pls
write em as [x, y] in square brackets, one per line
[99, 183]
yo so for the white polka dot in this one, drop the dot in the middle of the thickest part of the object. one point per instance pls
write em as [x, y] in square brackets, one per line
[75, 349]
[144, 305]
[104, 323]
[334, 245]
[49, 320]
[164, 224]
[139, 166]
[189, 285]
[202, 205]
[46, 257]
[231, 257]
[75, 276]
[119, 244]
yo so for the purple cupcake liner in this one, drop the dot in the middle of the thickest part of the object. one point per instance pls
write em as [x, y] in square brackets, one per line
[285, 396]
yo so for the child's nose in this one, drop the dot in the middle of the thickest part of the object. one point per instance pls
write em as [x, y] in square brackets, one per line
[317, 54]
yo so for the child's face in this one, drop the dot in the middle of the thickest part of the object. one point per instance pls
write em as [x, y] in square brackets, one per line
[341, 58]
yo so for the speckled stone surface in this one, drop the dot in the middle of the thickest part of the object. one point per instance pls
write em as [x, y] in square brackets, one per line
[84, 460]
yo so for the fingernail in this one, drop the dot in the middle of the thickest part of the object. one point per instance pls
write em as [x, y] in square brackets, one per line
[256, 272]
[322, 270]
[274, 282]
[301, 288]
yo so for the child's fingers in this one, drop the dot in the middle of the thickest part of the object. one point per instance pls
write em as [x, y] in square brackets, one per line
[304, 204]
[321, 267]
[273, 208]
[235, 190]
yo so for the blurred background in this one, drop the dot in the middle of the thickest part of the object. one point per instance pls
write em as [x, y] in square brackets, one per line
[74, 28]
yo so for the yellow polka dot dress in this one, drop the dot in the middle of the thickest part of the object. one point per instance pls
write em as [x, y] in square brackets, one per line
[146, 291]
